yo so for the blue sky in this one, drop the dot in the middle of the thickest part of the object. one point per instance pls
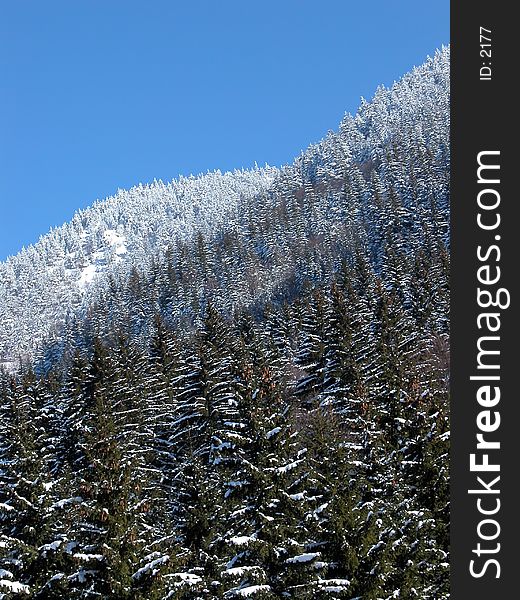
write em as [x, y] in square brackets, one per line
[97, 95]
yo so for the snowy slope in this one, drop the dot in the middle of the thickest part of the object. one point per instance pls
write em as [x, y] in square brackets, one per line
[48, 284]
[61, 274]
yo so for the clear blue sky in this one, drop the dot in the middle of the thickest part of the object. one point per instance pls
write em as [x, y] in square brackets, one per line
[97, 95]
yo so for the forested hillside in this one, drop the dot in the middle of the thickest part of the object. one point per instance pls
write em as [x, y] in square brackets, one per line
[237, 385]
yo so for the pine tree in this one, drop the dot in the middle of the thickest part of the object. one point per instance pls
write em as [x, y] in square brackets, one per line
[25, 485]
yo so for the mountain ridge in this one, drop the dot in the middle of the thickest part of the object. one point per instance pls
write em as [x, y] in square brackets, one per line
[59, 269]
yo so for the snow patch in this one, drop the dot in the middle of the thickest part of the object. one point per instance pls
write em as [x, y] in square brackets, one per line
[289, 467]
[87, 275]
[239, 571]
[15, 587]
[251, 590]
[297, 497]
[274, 431]
[241, 540]
[82, 556]
[151, 566]
[115, 239]
[65, 501]
[336, 582]
[82, 575]
[186, 579]
[50, 547]
[303, 558]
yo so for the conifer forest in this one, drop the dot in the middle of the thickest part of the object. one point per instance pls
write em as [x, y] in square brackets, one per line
[236, 385]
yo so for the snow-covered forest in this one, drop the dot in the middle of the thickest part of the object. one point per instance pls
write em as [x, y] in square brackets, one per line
[236, 385]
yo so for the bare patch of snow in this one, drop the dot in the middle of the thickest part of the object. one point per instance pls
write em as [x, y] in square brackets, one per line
[87, 275]
[115, 239]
